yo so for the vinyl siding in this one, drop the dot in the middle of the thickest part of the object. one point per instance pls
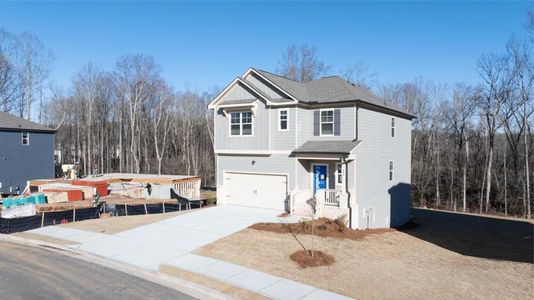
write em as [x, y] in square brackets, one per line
[276, 164]
[238, 92]
[260, 130]
[305, 125]
[283, 140]
[373, 187]
[20, 163]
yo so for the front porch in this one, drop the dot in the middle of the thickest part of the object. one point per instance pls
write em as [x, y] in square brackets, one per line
[324, 181]
[324, 177]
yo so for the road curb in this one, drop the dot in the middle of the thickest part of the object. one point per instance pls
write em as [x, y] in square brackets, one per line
[175, 283]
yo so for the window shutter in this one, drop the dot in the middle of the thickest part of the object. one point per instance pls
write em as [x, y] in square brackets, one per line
[316, 123]
[337, 122]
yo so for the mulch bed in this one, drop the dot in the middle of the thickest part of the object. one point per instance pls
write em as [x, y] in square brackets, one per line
[323, 227]
[304, 258]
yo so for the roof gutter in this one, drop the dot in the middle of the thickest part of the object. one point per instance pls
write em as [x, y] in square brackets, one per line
[28, 130]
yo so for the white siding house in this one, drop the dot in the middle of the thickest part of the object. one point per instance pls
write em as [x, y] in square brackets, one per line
[279, 143]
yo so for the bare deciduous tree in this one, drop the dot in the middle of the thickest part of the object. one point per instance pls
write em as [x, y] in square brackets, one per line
[359, 75]
[301, 63]
[33, 68]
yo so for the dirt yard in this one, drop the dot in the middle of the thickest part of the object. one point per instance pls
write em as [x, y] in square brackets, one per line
[112, 225]
[448, 256]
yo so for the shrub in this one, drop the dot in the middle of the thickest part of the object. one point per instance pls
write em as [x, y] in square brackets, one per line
[341, 221]
[212, 200]
[284, 226]
[304, 224]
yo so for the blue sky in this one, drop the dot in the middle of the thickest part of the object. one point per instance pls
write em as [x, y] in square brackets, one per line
[202, 45]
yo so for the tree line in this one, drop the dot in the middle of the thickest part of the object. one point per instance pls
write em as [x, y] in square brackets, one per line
[131, 120]
[472, 143]
[128, 119]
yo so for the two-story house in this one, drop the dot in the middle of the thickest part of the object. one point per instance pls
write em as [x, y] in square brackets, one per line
[279, 143]
[26, 152]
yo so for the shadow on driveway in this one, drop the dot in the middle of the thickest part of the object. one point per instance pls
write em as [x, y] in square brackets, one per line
[477, 236]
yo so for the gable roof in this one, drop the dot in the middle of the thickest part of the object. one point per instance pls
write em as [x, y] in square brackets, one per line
[329, 90]
[236, 81]
[12, 123]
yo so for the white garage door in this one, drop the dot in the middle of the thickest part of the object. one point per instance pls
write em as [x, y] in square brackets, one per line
[258, 190]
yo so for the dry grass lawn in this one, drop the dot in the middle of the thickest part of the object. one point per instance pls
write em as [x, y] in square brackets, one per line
[44, 238]
[112, 225]
[432, 261]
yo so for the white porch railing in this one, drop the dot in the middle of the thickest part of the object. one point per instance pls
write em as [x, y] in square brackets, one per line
[328, 203]
[331, 197]
[188, 187]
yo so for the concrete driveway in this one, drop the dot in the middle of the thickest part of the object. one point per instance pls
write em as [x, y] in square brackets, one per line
[171, 242]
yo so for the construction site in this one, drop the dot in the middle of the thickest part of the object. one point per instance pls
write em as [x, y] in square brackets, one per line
[58, 201]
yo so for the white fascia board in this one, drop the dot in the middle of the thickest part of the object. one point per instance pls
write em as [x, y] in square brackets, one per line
[252, 152]
[237, 80]
[318, 158]
[221, 94]
[288, 104]
[238, 105]
[324, 157]
[267, 79]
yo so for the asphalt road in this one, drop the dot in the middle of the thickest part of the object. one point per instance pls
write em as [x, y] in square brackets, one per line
[35, 273]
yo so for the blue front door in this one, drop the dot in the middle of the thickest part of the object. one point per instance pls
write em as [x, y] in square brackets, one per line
[319, 177]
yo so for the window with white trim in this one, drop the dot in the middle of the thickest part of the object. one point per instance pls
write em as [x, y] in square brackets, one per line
[392, 127]
[339, 174]
[390, 170]
[327, 122]
[282, 120]
[25, 138]
[241, 123]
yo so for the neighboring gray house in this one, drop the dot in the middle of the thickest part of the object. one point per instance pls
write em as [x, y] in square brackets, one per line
[26, 152]
[278, 142]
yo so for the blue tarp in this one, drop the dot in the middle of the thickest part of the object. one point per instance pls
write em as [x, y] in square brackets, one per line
[23, 200]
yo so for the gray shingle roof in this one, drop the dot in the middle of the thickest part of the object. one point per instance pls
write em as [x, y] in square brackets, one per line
[328, 90]
[13, 123]
[336, 147]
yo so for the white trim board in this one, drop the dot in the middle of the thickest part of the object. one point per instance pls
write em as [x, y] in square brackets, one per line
[269, 81]
[252, 152]
[237, 80]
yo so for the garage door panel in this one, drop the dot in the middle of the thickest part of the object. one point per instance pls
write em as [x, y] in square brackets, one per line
[258, 190]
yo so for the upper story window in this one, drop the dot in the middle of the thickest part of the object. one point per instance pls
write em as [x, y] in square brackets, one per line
[282, 120]
[327, 122]
[25, 138]
[392, 127]
[241, 123]
[390, 170]
[339, 173]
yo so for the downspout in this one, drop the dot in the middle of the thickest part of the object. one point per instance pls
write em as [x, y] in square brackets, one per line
[344, 160]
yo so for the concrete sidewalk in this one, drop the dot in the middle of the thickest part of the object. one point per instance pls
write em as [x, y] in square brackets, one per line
[171, 242]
